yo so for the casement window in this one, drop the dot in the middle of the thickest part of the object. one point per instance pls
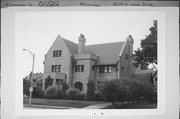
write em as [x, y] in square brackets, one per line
[57, 53]
[79, 68]
[105, 69]
[56, 68]
[59, 81]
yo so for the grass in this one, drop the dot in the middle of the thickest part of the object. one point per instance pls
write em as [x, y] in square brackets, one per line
[60, 102]
[134, 106]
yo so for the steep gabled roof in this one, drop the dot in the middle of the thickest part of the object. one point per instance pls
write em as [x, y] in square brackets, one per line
[73, 47]
[108, 53]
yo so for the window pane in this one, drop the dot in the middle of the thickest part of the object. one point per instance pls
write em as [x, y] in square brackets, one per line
[55, 68]
[59, 68]
[82, 68]
[54, 54]
[52, 68]
[105, 70]
[59, 53]
[109, 69]
[78, 68]
[101, 69]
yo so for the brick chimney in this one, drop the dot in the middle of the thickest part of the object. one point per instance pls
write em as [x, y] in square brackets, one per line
[130, 42]
[81, 45]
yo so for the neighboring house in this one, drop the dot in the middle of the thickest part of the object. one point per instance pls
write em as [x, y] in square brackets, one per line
[78, 63]
[147, 76]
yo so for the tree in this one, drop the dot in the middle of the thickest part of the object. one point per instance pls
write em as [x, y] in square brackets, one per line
[91, 90]
[48, 82]
[26, 85]
[111, 91]
[147, 54]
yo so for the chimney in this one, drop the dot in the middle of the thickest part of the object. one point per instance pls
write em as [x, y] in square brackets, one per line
[130, 39]
[81, 45]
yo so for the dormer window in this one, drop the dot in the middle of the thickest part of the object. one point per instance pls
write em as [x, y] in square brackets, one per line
[57, 53]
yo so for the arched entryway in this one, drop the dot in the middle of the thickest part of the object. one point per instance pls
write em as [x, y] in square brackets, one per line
[78, 85]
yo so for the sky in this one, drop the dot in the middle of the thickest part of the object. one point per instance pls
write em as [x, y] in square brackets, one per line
[36, 31]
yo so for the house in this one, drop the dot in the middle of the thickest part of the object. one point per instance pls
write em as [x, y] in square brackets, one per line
[146, 76]
[77, 63]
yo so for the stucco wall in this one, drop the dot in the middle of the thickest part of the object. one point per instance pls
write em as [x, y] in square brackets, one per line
[64, 60]
[127, 71]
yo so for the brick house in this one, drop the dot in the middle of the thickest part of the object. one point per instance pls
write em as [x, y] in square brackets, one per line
[78, 63]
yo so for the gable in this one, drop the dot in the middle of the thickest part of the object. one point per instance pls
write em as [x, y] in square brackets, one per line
[108, 53]
[73, 47]
[58, 44]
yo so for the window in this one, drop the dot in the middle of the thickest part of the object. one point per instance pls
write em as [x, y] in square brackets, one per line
[82, 68]
[57, 53]
[105, 69]
[79, 68]
[79, 85]
[59, 81]
[56, 68]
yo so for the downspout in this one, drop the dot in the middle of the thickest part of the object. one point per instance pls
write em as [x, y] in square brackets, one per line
[117, 72]
[95, 75]
[73, 64]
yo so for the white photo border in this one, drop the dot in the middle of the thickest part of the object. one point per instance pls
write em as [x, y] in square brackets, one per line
[20, 111]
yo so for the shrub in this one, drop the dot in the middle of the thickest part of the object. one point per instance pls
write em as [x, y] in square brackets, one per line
[52, 93]
[37, 91]
[26, 85]
[91, 90]
[81, 97]
[48, 82]
[73, 93]
[64, 88]
[111, 91]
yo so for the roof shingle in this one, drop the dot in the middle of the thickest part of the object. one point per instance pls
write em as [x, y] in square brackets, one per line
[108, 52]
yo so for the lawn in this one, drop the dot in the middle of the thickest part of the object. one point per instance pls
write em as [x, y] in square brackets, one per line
[134, 106]
[61, 103]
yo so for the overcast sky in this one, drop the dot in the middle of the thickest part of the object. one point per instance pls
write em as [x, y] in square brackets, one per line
[36, 31]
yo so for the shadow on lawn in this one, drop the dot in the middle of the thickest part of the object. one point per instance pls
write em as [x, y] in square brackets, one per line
[133, 106]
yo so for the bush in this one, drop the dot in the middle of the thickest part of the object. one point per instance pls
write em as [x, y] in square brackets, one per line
[26, 85]
[37, 91]
[81, 97]
[111, 91]
[48, 82]
[64, 88]
[73, 93]
[91, 90]
[52, 93]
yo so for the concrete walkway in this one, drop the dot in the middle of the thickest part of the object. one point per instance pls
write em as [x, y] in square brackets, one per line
[46, 107]
[97, 106]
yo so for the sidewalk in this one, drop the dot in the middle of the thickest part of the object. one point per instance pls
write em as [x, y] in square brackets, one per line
[47, 107]
[98, 106]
